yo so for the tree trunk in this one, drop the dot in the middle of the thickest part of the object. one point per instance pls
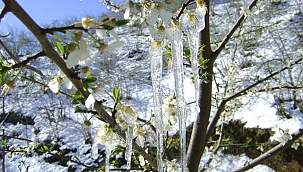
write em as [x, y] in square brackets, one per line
[198, 137]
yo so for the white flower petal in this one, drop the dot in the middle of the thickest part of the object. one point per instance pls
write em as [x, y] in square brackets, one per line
[92, 58]
[90, 101]
[54, 85]
[101, 33]
[68, 84]
[116, 45]
[73, 59]
[113, 34]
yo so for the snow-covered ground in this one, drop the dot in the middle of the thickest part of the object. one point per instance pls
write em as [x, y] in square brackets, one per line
[277, 43]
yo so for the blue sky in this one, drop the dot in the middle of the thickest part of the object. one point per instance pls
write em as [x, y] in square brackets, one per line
[45, 11]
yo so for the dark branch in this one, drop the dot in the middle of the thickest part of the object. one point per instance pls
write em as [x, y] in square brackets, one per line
[18, 61]
[3, 11]
[25, 62]
[62, 29]
[221, 107]
[183, 8]
[232, 31]
[277, 149]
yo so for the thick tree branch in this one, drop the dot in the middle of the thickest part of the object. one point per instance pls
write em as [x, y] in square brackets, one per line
[277, 149]
[39, 33]
[232, 31]
[198, 142]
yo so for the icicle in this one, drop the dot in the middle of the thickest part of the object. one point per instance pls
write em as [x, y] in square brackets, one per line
[156, 76]
[129, 147]
[177, 53]
[193, 38]
[107, 156]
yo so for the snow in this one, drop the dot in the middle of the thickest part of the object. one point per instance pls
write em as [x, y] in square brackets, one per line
[56, 121]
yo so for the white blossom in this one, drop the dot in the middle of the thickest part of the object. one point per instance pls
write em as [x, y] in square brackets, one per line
[56, 82]
[6, 88]
[281, 136]
[126, 116]
[90, 101]
[81, 53]
[88, 23]
[169, 108]
[173, 166]
[104, 135]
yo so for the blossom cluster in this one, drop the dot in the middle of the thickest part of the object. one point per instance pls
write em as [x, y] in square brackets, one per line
[158, 15]
[170, 114]
[281, 135]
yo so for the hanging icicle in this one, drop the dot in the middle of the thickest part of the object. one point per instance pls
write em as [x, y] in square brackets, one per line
[107, 156]
[155, 53]
[129, 147]
[193, 40]
[177, 53]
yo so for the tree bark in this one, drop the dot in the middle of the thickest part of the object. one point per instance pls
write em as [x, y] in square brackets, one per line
[198, 137]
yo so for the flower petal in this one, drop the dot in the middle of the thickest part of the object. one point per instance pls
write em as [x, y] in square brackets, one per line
[90, 101]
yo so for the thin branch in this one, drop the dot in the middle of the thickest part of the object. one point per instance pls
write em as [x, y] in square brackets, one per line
[3, 11]
[183, 8]
[232, 31]
[12, 137]
[63, 29]
[25, 62]
[275, 150]
[18, 61]
[221, 107]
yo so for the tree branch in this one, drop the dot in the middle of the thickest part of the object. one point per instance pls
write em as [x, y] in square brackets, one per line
[63, 29]
[24, 63]
[39, 33]
[18, 61]
[232, 31]
[277, 149]
[3, 11]
[221, 107]
[183, 8]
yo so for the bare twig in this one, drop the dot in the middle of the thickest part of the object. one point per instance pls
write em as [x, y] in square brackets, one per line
[277, 149]
[63, 29]
[183, 8]
[3, 11]
[25, 62]
[18, 61]
[232, 31]
[221, 107]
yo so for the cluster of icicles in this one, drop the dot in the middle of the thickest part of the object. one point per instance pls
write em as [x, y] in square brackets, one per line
[156, 50]
[192, 25]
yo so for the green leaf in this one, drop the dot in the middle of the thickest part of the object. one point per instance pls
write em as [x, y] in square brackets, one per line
[107, 27]
[85, 86]
[78, 98]
[116, 94]
[167, 51]
[90, 79]
[187, 53]
[79, 110]
[122, 22]
[59, 47]
[3, 74]
[3, 143]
